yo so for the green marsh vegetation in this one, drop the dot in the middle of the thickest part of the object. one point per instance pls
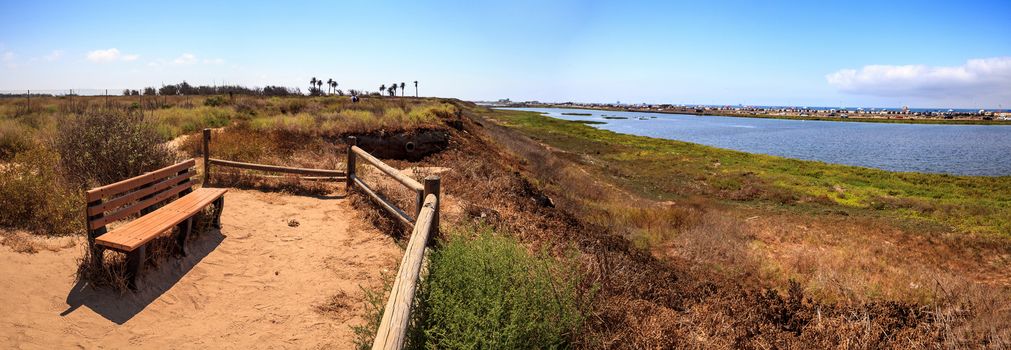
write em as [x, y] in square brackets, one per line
[666, 170]
[825, 236]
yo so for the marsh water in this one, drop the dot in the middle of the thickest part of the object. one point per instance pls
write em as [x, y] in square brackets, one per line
[929, 148]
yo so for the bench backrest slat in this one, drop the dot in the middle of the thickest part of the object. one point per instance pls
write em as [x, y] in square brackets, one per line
[144, 191]
[134, 182]
[133, 195]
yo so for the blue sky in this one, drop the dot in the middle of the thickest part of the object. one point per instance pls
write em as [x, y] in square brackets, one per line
[825, 53]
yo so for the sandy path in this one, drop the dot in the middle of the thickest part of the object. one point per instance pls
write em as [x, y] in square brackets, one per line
[254, 284]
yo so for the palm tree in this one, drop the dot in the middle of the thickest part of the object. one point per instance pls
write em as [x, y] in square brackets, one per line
[312, 85]
[329, 84]
[393, 90]
[334, 85]
[402, 89]
[382, 88]
[415, 88]
[319, 84]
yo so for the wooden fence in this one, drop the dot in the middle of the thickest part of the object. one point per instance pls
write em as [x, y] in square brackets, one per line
[304, 173]
[397, 313]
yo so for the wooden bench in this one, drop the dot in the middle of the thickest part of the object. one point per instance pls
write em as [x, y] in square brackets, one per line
[144, 194]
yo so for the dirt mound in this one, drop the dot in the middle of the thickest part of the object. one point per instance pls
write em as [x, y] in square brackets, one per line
[413, 145]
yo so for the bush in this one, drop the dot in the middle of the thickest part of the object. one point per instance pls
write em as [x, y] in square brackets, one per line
[36, 197]
[215, 101]
[490, 293]
[102, 149]
[14, 138]
[172, 122]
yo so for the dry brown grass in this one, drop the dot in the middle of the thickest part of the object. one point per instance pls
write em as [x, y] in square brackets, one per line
[715, 285]
[37, 197]
[689, 273]
[28, 243]
[337, 306]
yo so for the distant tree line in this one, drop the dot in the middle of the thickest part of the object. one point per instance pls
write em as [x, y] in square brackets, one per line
[185, 88]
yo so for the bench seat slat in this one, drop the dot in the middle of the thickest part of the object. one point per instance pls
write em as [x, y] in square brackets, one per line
[142, 230]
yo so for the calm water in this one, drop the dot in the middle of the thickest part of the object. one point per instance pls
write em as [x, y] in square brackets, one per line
[952, 149]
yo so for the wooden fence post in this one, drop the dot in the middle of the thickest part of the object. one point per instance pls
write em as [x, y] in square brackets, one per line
[352, 141]
[207, 156]
[432, 187]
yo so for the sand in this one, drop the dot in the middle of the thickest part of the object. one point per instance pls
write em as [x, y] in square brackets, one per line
[253, 284]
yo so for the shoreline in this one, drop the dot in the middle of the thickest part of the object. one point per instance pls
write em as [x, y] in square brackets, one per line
[592, 123]
[967, 203]
[903, 120]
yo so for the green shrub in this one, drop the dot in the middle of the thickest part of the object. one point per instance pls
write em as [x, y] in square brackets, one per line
[105, 148]
[433, 112]
[36, 197]
[215, 101]
[173, 122]
[490, 293]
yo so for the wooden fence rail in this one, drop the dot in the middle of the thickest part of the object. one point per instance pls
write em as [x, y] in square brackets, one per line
[305, 173]
[278, 169]
[354, 152]
[397, 313]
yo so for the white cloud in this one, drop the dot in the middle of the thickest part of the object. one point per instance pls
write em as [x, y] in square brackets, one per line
[53, 56]
[186, 58]
[987, 78]
[104, 55]
[110, 55]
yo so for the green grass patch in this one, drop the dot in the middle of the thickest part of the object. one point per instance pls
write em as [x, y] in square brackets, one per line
[485, 291]
[667, 169]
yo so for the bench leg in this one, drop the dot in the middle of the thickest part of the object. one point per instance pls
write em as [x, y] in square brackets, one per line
[134, 263]
[96, 250]
[185, 228]
[96, 256]
[219, 206]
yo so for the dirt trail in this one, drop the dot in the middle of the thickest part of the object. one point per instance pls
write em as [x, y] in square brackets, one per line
[253, 284]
